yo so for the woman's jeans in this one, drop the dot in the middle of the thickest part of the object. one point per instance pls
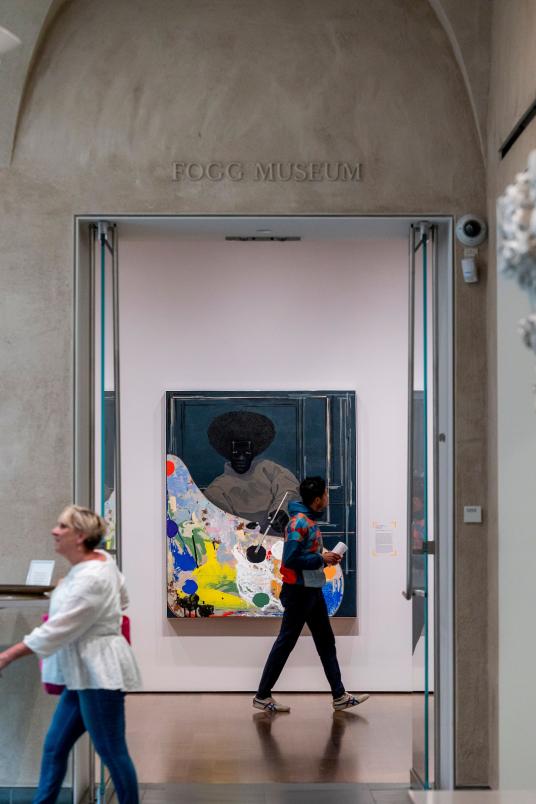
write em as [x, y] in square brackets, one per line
[102, 714]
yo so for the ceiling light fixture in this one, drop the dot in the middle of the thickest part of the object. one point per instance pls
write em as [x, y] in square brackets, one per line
[262, 238]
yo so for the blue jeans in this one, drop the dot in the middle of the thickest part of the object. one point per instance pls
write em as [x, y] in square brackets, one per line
[102, 714]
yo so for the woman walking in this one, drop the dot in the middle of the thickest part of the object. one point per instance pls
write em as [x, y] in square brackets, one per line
[83, 649]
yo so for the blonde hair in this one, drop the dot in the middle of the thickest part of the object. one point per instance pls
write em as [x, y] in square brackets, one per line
[87, 522]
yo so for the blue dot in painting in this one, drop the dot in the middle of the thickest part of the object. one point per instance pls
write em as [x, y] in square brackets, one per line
[189, 587]
[185, 562]
[172, 528]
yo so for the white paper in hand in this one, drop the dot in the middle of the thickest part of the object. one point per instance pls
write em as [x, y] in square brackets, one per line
[340, 548]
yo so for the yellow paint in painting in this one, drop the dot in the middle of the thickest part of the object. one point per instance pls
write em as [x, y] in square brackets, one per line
[172, 503]
[211, 575]
[330, 572]
[275, 588]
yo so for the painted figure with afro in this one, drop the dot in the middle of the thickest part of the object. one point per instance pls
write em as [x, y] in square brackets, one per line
[250, 486]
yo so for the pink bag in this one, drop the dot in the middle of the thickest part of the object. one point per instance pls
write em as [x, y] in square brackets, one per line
[57, 689]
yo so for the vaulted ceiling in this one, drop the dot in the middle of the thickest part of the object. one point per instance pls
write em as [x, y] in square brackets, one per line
[466, 24]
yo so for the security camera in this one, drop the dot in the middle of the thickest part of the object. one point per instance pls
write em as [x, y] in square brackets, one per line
[471, 230]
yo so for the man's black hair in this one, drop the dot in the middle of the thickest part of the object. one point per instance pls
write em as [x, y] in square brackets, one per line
[311, 488]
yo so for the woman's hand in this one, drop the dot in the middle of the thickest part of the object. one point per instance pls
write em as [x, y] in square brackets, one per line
[4, 659]
[331, 558]
[13, 653]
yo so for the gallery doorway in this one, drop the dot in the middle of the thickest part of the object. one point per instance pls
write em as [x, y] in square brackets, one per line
[305, 321]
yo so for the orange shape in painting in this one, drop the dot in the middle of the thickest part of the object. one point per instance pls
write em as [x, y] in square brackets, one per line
[330, 572]
[170, 468]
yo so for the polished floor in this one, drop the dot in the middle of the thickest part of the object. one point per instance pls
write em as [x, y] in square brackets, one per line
[273, 794]
[189, 742]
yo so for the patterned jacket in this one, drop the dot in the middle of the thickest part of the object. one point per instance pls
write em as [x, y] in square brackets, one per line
[302, 552]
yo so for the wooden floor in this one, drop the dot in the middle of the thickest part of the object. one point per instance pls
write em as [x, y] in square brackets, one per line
[220, 739]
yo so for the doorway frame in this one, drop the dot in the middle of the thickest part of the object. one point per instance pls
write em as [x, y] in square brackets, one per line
[444, 689]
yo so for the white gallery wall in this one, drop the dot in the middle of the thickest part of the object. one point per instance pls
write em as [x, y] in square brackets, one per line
[265, 316]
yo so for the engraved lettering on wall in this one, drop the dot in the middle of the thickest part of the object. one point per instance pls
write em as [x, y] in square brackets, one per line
[216, 171]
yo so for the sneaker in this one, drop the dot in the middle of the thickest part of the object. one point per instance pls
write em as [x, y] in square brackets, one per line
[346, 701]
[269, 705]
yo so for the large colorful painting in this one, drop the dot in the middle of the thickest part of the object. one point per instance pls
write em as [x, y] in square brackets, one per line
[234, 462]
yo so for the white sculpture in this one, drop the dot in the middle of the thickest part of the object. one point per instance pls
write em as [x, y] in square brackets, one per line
[516, 241]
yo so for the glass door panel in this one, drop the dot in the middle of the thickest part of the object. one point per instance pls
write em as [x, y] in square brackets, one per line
[106, 445]
[420, 558]
[106, 369]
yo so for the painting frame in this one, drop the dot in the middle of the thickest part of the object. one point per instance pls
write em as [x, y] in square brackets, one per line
[315, 434]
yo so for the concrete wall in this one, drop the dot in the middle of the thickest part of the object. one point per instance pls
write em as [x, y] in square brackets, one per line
[512, 418]
[29, 22]
[116, 93]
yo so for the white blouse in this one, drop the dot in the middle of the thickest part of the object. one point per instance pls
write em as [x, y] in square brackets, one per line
[81, 643]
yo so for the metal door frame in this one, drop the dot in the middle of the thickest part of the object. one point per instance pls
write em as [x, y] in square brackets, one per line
[443, 446]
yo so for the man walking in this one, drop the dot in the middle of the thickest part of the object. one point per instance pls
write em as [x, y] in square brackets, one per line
[302, 569]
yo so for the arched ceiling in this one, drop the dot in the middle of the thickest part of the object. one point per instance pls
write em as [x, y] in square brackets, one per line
[467, 26]
[30, 20]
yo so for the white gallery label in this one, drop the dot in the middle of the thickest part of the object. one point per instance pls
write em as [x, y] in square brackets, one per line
[40, 573]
